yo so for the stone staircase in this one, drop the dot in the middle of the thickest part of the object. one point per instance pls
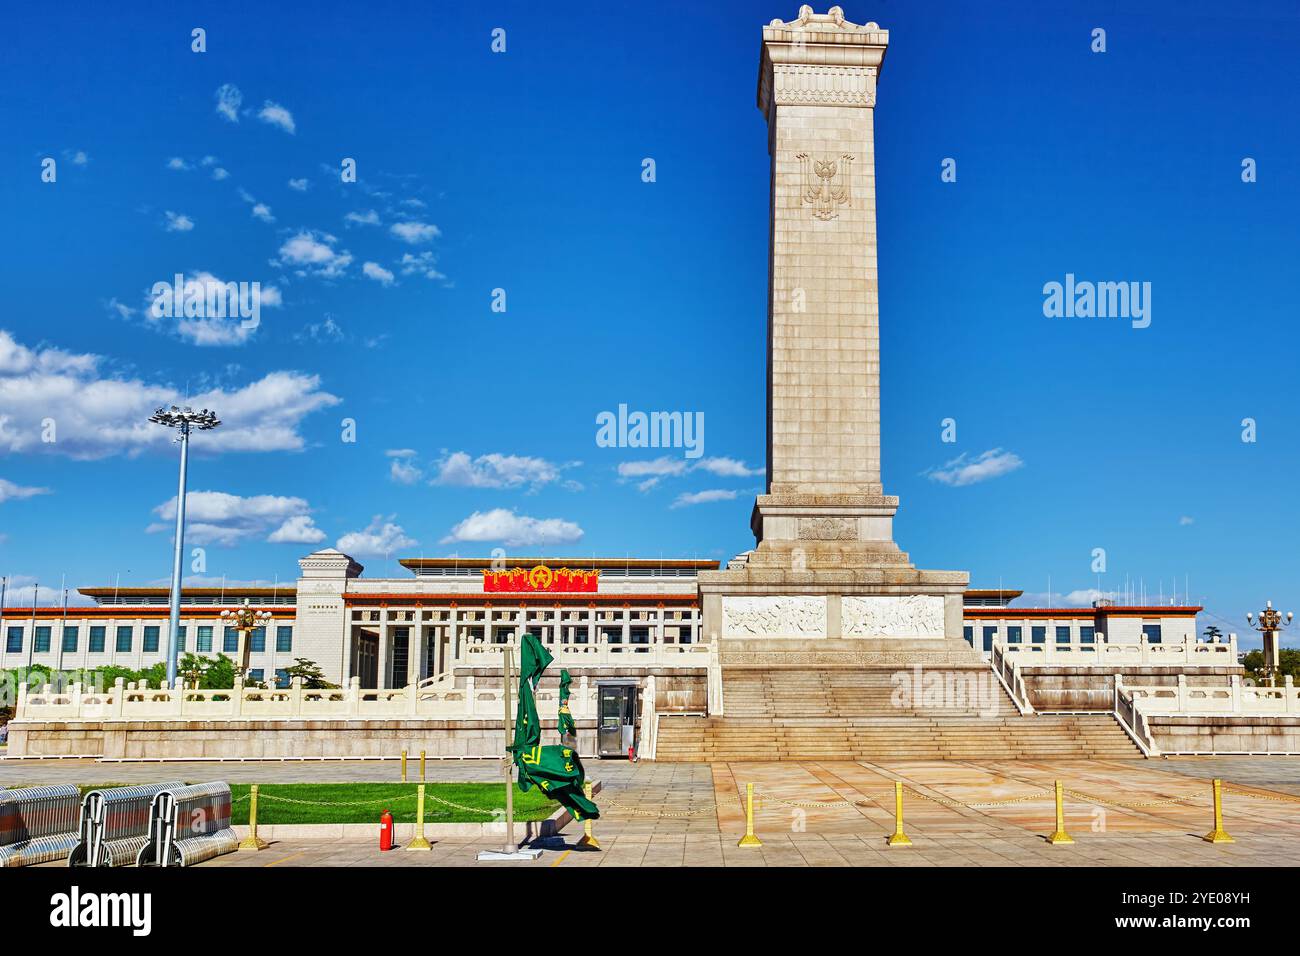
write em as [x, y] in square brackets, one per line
[871, 714]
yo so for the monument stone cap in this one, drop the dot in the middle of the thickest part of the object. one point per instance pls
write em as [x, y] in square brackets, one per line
[823, 58]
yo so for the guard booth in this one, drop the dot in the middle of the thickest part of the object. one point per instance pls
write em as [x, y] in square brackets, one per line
[617, 703]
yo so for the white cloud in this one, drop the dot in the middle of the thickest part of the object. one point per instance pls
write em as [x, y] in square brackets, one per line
[964, 470]
[704, 497]
[23, 590]
[1078, 598]
[423, 264]
[651, 472]
[263, 212]
[96, 414]
[326, 331]
[727, 468]
[76, 156]
[314, 253]
[403, 468]
[178, 222]
[219, 174]
[299, 184]
[380, 538]
[297, 530]
[229, 100]
[513, 529]
[10, 491]
[276, 115]
[208, 161]
[367, 218]
[414, 232]
[374, 270]
[177, 163]
[214, 517]
[211, 330]
[1185, 520]
[495, 471]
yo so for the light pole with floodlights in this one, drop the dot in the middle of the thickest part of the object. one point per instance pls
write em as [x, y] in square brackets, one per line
[1269, 625]
[183, 420]
[245, 620]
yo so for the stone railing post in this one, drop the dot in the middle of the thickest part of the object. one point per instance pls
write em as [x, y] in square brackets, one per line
[470, 696]
[412, 698]
[584, 696]
[1182, 690]
[237, 698]
[176, 699]
[354, 696]
[21, 704]
[295, 696]
[1236, 693]
[1288, 694]
[119, 697]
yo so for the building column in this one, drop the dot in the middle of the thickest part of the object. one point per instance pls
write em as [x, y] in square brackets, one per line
[381, 679]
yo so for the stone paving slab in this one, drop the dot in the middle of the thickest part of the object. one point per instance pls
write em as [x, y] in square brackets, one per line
[957, 813]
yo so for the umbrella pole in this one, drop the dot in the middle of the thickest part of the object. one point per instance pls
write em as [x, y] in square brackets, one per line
[506, 662]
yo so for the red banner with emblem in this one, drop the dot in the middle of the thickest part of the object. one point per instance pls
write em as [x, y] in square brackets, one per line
[541, 579]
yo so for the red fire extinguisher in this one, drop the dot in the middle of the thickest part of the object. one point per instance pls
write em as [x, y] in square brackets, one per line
[386, 831]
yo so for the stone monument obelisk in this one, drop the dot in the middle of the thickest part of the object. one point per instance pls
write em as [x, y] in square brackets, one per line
[826, 565]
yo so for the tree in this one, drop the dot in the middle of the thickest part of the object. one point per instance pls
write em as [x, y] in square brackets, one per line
[1213, 634]
[310, 672]
[1288, 663]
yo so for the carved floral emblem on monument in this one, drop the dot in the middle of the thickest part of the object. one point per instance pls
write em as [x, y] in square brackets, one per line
[825, 184]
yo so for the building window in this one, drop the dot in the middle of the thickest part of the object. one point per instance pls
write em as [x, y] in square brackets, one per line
[42, 640]
[258, 640]
[124, 639]
[284, 639]
[255, 675]
[230, 641]
[151, 639]
[1086, 635]
[97, 640]
[14, 641]
[989, 634]
[281, 677]
[1151, 632]
[69, 638]
[180, 638]
[1063, 634]
[968, 632]
[1038, 635]
[205, 640]
[1013, 634]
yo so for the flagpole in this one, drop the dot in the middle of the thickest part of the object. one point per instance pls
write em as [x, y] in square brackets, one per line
[510, 847]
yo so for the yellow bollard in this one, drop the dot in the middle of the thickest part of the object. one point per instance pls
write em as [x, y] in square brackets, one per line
[587, 838]
[1218, 834]
[419, 842]
[899, 838]
[252, 842]
[403, 766]
[1060, 837]
[749, 839]
[421, 766]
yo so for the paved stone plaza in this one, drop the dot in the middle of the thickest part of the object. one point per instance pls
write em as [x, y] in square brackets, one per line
[958, 813]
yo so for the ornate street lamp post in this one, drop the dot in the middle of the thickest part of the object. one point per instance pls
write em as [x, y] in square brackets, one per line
[1269, 625]
[183, 420]
[245, 620]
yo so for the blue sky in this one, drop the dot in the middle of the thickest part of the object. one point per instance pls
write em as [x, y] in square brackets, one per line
[522, 171]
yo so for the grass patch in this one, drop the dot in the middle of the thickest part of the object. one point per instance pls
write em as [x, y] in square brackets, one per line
[364, 802]
[341, 802]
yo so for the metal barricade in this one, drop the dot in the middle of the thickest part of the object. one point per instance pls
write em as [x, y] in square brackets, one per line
[188, 825]
[37, 824]
[114, 824]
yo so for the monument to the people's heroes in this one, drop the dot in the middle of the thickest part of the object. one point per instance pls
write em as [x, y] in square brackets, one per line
[826, 566]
